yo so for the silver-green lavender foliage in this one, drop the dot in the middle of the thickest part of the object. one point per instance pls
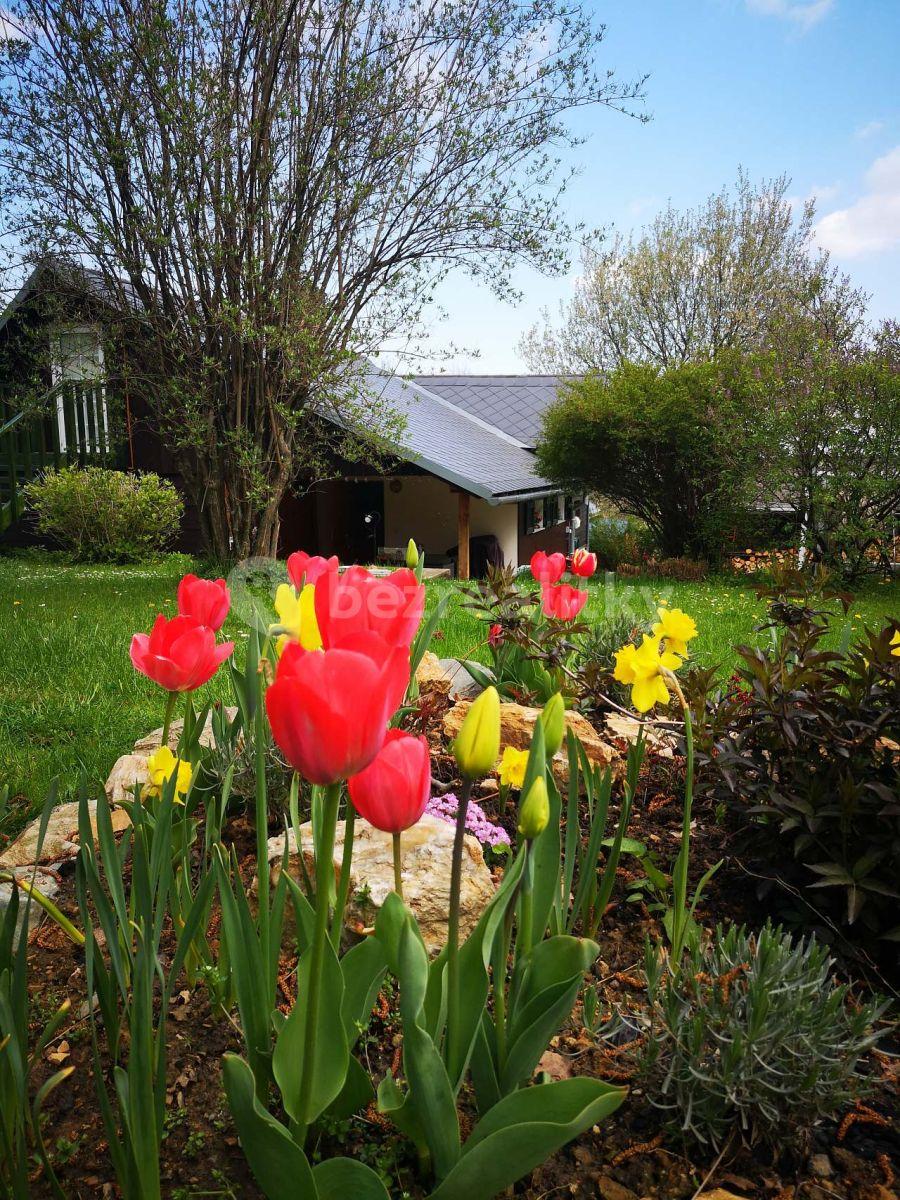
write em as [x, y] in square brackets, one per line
[753, 1040]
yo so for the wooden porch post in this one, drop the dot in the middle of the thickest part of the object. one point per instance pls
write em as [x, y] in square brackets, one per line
[463, 535]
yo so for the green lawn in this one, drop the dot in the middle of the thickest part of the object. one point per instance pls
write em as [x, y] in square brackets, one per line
[70, 701]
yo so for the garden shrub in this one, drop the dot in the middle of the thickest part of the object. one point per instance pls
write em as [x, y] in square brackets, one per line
[617, 540]
[803, 747]
[752, 1041]
[100, 515]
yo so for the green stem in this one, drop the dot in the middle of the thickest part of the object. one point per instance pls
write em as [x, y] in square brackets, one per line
[680, 872]
[500, 966]
[324, 874]
[262, 841]
[398, 866]
[340, 907]
[453, 926]
[171, 700]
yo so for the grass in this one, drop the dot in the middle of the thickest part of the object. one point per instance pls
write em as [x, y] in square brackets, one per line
[70, 702]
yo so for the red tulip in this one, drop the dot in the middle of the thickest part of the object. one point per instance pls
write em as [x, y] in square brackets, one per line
[206, 600]
[308, 568]
[179, 654]
[548, 568]
[329, 709]
[391, 793]
[584, 564]
[359, 602]
[563, 601]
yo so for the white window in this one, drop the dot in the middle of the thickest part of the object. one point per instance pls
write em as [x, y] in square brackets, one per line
[77, 370]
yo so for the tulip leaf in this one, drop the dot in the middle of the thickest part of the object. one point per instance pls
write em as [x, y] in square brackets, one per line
[355, 1095]
[534, 1028]
[278, 1164]
[483, 1066]
[363, 968]
[552, 961]
[400, 1109]
[330, 1050]
[429, 1083]
[522, 1131]
[342, 1178]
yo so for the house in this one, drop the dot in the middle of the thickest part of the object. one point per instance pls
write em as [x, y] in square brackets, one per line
[463, 483]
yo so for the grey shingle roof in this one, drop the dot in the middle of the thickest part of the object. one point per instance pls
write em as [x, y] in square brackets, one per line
[457, 446]
[514, 403]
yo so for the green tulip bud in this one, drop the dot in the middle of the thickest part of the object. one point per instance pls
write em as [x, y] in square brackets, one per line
[553, 719]
[534, 811]
[412, 554]
[477, 747]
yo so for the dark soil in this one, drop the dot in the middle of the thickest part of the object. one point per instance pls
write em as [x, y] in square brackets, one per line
[631, 1157]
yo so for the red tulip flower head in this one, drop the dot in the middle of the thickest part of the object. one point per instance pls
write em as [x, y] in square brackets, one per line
[308, 568]
[360, 602]
[548, 568]
[584, 563]
[393, 790]
[179, 654]
[206, 600]
[329, 709]
[563, 601]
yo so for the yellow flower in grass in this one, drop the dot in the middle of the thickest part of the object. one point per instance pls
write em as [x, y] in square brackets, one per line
[161, 766]
[512, 767]
[895, 642]
[641, 668]
[297, 616]
[677, 628]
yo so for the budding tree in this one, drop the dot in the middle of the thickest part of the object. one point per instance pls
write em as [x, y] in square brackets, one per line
[272, 188]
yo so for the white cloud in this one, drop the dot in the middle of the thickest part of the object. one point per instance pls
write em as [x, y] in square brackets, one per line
[872, 224]
[801, 13]
[869, 130]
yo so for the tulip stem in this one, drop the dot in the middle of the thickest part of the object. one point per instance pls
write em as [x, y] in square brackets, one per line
[171, 700]
[453, 928]
[680, 913]
[340, 906]
[398, 866]
[324, 878]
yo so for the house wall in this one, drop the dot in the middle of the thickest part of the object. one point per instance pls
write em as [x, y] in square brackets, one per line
[424, 508]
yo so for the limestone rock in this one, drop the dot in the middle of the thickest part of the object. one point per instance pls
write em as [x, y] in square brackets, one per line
[61, 839]
[432, 677]
[517, 725]
[45, 881]
[463, 685]
[127, 771]
[153, 741]
[427, 853]
[658, 740]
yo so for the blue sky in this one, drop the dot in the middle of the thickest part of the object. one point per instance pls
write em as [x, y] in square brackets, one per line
[806, 87]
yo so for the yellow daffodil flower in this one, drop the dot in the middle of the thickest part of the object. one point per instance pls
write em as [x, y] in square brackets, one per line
[161, 765]
[512, 767]
[641, 667]
[297, 616]
[895, 642]
[677, 628]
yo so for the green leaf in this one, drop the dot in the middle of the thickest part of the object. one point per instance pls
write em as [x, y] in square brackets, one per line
[330, 1050]
[343, 1178]
[278, 1164]
[355, 1095]
[522, 1131]
[363, 968]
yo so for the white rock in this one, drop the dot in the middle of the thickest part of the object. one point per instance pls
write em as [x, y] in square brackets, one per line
[153, 740]
[44, 881]
[659, 740]
[427, 853]
[61, 839]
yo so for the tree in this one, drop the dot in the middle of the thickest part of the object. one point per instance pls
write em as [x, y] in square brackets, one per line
[270, 190]
[662, 445]
[692, 284]
[826, 433]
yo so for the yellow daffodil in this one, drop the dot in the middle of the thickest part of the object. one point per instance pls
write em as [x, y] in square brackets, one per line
[297, 616]
[895, 642]
[641, 668]
[677, 628]
[512, 767]
[161, 766]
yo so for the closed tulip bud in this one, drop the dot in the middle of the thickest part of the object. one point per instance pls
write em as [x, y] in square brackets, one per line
[477, 747]
[553, 719]
[534, 812]
[412, 554]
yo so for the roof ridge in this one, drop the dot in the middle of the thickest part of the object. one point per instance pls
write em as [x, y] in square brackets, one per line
[486, 425]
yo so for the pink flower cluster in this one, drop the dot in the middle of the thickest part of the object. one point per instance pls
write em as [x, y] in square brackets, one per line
[477, 822]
